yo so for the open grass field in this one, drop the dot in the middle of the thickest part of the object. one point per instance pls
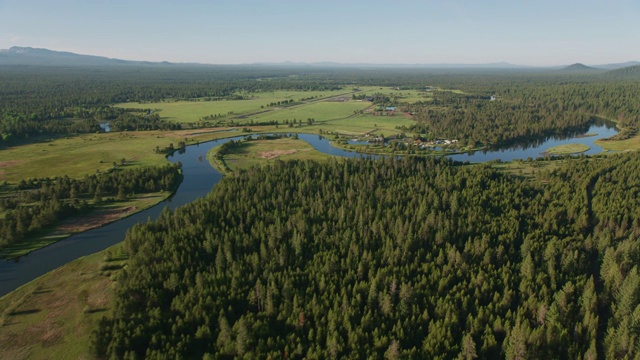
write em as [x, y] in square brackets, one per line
[81, 155]
[87, 154]
[365, 123]
[333, 111]
[54, 316]
[261, 152]
[192, 111]
[567, 149]
[320, 111]
[527, 169]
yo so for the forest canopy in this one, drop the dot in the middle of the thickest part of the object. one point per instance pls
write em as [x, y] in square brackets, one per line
[395, 258]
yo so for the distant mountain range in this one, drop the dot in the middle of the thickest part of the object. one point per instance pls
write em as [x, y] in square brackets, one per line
[45, 57]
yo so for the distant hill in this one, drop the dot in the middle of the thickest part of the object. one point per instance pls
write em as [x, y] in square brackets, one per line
[578, 67]
[626, 73]
[43, 57]
[617, 66]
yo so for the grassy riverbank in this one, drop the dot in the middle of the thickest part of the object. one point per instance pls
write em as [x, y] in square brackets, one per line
[104, 214]
[80, 156]
[261, 152]
[567, 149]
[630, 144]
[54, 316]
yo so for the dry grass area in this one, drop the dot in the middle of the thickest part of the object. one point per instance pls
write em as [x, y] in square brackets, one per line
[95, 220]
[276, 153]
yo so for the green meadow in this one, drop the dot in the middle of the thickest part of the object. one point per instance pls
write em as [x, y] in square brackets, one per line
[319, 111]
[262, 152]
[82, 155]
[361, 124]
[193, 111]
[330, 111]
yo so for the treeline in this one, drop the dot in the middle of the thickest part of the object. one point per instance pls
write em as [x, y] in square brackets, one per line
[18, 128]
[527, 111]
[130, 121]
[57, 100]
[528, 104]
[35, 204]
[394, 258]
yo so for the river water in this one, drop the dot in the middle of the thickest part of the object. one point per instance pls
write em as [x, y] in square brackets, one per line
[200, 177]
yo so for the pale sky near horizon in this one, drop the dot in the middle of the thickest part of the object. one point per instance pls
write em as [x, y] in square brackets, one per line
[540, 32]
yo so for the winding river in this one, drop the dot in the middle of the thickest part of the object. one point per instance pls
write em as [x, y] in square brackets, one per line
[200, 177]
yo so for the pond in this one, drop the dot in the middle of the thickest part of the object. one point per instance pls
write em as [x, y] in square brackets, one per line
[534, 149]
[106, 126]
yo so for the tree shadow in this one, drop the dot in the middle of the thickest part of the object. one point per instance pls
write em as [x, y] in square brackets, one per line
[95, 311]
[25, 312]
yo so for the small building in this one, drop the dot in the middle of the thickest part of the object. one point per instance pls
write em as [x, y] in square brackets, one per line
[390, 108]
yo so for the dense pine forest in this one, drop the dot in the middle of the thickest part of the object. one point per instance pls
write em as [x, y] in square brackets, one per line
[529, 112]
[394, 258]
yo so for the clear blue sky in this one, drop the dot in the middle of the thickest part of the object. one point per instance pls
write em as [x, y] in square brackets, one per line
[533, 32]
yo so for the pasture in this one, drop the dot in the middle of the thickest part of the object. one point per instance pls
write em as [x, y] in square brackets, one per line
[193, 111]
[329, 111]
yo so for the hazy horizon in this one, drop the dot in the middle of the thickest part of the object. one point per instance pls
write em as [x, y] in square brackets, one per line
[541, 33]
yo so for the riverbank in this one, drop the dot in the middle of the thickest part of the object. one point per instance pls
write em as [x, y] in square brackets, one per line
[103, 215]
[376, 149]
[83, 155]
[567, 149]
[257, 152]
[54, 316]
[630, 144]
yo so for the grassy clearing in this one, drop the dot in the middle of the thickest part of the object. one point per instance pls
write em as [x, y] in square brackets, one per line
[366, 123]
[567, 149]
[527, 169]
[192, 111]
[54, 316]
[320, 111]
[262, 152]
[399, 96]
[333, 111]
[87, 154]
